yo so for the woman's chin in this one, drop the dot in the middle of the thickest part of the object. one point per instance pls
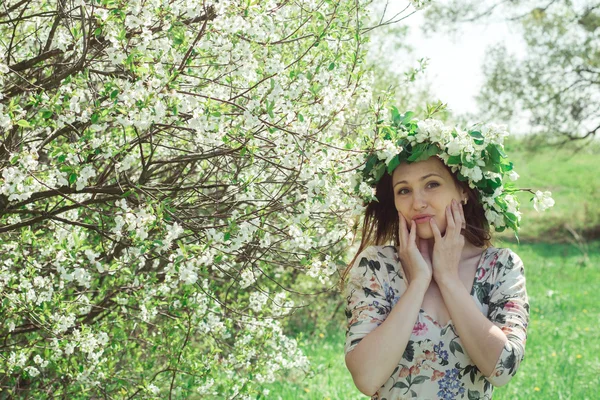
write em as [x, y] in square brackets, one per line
[424, 232]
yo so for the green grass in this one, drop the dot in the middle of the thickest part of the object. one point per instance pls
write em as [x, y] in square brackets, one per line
[563, 348]
[574, 180]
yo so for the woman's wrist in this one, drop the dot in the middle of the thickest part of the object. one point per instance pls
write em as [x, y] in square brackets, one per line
[420, 283]
[447, 279]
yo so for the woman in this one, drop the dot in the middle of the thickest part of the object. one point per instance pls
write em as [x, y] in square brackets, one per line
[440, 314]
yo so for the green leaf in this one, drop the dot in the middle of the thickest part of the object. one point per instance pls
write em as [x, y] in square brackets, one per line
[47, 114]
[331, 66]
[114, 94]
[453, 160]
[423, 152]
[468, 164]
[406, 118]
[371, 161]
[94, 118]
[300, 117]
[400, 384]
[454, 347]
[72, 178]
[379, 171]
[419, 379]
[473, 394]
[393, 164]
[409, 351]
[511, 217]
[23, 124]
[494, 183]
[507, 167]
[396, 117]
[476, 135]
[416, 152]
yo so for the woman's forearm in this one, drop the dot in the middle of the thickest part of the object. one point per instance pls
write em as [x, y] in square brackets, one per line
[482, 339]
[373, 360]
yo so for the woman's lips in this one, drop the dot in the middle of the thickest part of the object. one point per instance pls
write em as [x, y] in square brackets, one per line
[422, 220]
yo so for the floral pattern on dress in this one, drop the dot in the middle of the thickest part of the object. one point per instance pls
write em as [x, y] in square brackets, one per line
[434, 364]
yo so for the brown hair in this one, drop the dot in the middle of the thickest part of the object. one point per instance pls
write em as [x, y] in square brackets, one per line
[380, 224]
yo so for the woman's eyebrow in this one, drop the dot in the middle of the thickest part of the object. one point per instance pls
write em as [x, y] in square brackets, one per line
[422, 178]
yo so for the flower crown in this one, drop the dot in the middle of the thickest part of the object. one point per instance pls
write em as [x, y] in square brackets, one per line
[475, 155]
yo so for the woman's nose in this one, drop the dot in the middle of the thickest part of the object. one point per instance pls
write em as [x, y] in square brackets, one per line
[419, 201]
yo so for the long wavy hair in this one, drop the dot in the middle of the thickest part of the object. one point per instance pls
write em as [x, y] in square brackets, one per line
[380, 223]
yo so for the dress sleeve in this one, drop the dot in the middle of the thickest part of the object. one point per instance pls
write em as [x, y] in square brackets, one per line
[509, 310]
[366, 303]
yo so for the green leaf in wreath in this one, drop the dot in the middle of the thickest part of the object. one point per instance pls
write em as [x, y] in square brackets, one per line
[378, 171]
[476, 134]
[453, 160]
[393, 164]
[406, 118]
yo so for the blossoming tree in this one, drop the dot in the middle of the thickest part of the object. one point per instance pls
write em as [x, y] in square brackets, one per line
[170, 171]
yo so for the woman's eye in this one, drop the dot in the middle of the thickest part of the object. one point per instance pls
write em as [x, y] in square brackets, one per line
[433, 184]
[403, 191]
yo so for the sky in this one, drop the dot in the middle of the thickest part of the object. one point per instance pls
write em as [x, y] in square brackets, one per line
[455, 61]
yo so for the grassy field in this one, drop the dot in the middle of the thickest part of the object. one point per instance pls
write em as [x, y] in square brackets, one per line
[572, 176]
[561, 252]
[563, 347]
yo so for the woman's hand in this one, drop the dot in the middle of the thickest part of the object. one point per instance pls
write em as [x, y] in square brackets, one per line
[414, 253]
[447, 249]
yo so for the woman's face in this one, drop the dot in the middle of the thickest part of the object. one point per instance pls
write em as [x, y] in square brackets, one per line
[422, 190]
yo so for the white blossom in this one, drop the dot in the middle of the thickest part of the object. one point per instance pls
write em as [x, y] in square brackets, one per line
[420, 4]
[431, 130]
[258, 300]
[473, 174]
[32, 371]
[366, 191]
[542, 200]
[247, 278]
[187, 273]
[40, 361]
[389, 151]
[513, 175]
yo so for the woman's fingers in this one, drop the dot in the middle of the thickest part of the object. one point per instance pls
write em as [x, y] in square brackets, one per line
[457, 216]
[462, 215]
[450, 224]
[423, 246]
[412, 237]
[437, 235]
[403, 231]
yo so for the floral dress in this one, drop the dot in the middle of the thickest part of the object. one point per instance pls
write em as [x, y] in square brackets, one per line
[435, 364]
